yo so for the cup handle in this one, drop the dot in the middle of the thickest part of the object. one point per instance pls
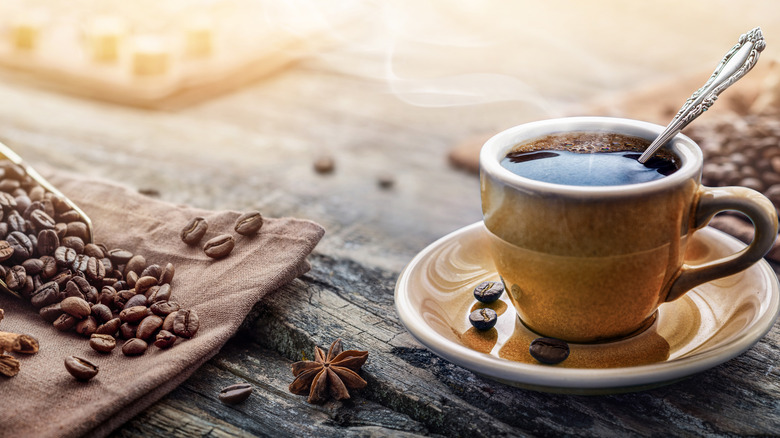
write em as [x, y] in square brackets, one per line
[712, 200]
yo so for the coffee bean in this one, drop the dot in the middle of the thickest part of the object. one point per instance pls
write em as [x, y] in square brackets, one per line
[164, 308]
[186, 323]
[131, 278]
[76, 307]
[164, 339]
[71, 290]
[148, 327]
[102, 313]
[110, 327]
[49, 267]
[134, 347]
[168, 321]
[219, 246]
[144, 283]
[51, 313]
[64, 256]
[136, 300]
[73, 242]
[95, 269]
[121, 297]
[194, 231]
[159, 293]
[65, 322]
[33, 266]
[488, 291]
[167, 274]
[78, 229]
[483, 319]
[325, 164]
[16, 222]
[127, 330]
[69, 216]
[136, 264]
[93, 250]
[6, 251]
[119, 256]
[16, 277]
[41, 221]
[248, 224]
[47, 294]
[134, 314]
[81, 369]
[549, 350]
[153, 270]
[102, 343]
[87, 326]
[235, 393]
[21, 244]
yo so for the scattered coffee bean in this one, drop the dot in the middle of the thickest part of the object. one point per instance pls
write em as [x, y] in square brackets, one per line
[194, 231]
[234, 394]
[148, 327]
[164, 339]
[134, 347]
[324, 164]
[385, 181]
[81, 369]
[483, 319]
[489, 291]
[219, 246]
[186, 323]
[102, 343]
[549, 350]
[248, 224]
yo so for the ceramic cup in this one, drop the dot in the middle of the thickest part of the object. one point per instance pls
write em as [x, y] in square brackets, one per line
[594, 263]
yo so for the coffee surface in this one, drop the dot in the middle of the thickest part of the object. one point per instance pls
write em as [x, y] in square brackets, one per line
[588, 159]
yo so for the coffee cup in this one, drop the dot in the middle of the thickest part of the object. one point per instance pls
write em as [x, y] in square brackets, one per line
[594, 263]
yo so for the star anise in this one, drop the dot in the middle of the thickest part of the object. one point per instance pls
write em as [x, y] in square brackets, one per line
[331, 374]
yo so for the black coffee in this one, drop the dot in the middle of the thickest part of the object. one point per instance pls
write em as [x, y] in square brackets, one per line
[588, 159]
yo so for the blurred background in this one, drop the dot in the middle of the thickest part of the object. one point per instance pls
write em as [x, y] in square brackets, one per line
[227, 104]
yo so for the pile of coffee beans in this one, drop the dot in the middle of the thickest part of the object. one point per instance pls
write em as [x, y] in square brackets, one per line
[100, 293]
[741, 151]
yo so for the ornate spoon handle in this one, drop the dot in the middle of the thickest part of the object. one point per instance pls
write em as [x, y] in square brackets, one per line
[737, 62]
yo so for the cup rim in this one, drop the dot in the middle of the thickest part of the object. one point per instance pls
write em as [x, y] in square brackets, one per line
[496, 148]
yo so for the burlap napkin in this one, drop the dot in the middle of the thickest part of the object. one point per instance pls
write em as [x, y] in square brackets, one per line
[43, 400]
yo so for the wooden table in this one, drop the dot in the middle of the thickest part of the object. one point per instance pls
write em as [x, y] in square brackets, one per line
[254, 149]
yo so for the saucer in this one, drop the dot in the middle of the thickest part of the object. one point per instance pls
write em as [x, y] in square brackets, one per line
[709, 325]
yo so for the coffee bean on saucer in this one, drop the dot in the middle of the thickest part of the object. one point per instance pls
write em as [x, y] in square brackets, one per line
[489, 291]
[79, 368]
[483, 319]
[549, 350]
[235, 393]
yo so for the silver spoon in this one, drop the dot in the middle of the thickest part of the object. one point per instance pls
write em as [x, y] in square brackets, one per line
[737, 62]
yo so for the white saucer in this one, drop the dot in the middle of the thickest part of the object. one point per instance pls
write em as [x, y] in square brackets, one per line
[711, 324]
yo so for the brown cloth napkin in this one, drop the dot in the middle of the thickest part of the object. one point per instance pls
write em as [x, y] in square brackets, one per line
[43, 400]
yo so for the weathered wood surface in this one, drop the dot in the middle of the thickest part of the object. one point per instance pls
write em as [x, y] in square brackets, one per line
[254, 149]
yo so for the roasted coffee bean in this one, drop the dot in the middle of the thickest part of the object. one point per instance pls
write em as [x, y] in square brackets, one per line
[234, 394]
[78, 229]
[81, 369]
[119, 256]
[80, 263]
[3, 227]
[94, 250]
[186, 323]
[164, 339]
[6, 250]
[148, 327]
[30, 285]
[249, 223]
[102, 313]
[136, 264]
[549, 350]
[107, 295]
[194, 231]
[65, 322]
[134, 314]
[153, 270]
[60, 228]
[15, 277]
[22, 201]
[143, 284]
[87, 326]
[134, 347]
[168, 321]
[62, 278]
[64, 256]
[160, 293]
[33, 266]
[135, 300]
[95, 269]
[102, 343]
[131, 278]
[483, 319]
[164, 308]
[76, 307]
[16, 222]
[121, 298]
[219, 246]
[46, 295]
[489, 291]
[9, 185]
[127, 330]
[69, 216]
[50, 267]
[110, 327]
[21, 244]
[51, 313]
[36, 193]
[74, 242]
[71, 290]
[107, 264]
[167, 274]
[41, 221]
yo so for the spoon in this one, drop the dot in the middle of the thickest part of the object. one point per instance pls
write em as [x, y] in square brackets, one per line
[737, 62]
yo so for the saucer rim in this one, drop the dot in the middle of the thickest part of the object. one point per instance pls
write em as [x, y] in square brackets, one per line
[557, 379]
